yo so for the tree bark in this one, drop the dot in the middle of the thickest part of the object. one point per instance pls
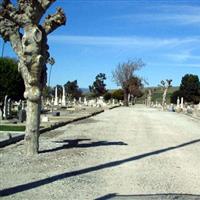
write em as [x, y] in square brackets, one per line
[125, 97]
[164, 97]
[32, 127]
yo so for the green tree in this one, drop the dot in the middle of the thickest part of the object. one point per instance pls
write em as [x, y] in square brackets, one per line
[72, 89]
[59, 90]
[11, 82]
[107, 96]
[118, 94]
[189, 89]
[98, 88]
[135, 86]
[48, 92]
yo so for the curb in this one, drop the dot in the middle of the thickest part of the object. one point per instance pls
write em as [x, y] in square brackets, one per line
[17, 138]
[114, 107]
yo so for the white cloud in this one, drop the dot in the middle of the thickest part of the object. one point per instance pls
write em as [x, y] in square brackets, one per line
[132, 41]
[182, 57]
[180, 19]
[174, 14]
[174, 64]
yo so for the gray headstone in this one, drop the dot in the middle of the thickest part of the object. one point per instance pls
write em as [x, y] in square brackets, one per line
[5, 108]
[1, 115]
[22, 115]
[9, 108]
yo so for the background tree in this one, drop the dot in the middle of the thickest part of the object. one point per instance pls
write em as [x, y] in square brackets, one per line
[11, 82]
[124, 72]
[20, 24]
[98, 88]
[72, 89]
[189, 89]
[135, 87]
[118, 94]
[48, 92]
[107, 96]
[59, 91]
[165, 85]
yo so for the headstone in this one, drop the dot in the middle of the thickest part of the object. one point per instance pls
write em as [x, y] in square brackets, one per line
[22, 115]
[52, 101]
[19, 107]
[44, 119]
[182, 106]
[23, 105]
[171, 108]
[129, 97]
[85, 101]
[1, 115]
[100, 102]
[56, 97]
[74, 101]
[63, 103]
[9, 108]
[178, 102]
[5, 108]
[48, 102]
[59, 101]
[92, 103]
[189, 110]
[156, 104]
[198, 106]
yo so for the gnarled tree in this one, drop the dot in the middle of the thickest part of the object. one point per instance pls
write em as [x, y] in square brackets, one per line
[124, 72]
[20, 24]
[165, 85]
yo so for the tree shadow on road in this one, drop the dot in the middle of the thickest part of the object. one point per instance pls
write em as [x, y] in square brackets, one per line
[35, 184]
[166, 196]
[75, 144]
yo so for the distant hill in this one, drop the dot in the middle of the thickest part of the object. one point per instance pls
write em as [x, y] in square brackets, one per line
[85, 90]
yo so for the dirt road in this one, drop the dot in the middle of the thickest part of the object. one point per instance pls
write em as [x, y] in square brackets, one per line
[124, 151]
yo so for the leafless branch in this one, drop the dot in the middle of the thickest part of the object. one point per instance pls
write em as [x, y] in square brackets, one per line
[52, 22]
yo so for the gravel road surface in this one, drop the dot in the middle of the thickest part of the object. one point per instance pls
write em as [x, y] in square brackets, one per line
[121, 152]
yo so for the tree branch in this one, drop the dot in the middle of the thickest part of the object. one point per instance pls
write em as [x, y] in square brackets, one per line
[46, 3]
[52, 22]
[10, 32]
[9, 12]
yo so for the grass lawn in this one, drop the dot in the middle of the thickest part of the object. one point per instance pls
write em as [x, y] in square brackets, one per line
[11, 128]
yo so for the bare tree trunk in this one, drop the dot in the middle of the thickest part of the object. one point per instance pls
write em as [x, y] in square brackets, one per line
[32, 127]
[164, 96]
[125, 97]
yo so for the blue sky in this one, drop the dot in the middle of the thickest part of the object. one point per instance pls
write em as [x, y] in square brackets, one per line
[99, 34]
